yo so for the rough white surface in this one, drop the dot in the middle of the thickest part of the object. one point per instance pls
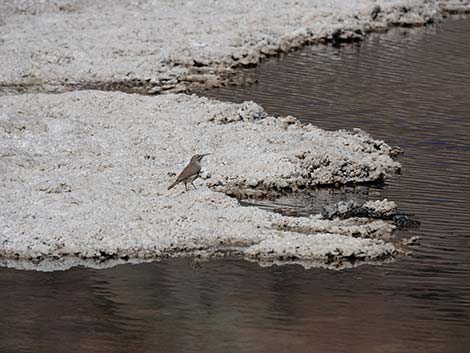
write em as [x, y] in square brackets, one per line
[292, 247]
[455, 6]
[156, 45]
[85, 174]
[384, 207]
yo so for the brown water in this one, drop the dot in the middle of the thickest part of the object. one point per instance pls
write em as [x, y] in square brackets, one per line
[408, 87]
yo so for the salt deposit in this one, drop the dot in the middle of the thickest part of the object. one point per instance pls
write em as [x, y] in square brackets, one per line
[172, 46]
[85, 174]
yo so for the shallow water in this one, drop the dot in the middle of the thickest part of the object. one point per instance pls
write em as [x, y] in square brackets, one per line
[408, 87]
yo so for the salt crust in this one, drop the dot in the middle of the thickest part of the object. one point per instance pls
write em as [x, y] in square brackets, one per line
[153, 46]
[84, 174]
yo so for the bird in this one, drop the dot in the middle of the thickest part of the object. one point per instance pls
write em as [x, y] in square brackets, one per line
[190, 172]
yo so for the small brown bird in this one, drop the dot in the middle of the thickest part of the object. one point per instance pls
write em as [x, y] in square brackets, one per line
[190, 172]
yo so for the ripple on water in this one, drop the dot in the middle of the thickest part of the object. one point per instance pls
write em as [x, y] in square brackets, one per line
[410, 88]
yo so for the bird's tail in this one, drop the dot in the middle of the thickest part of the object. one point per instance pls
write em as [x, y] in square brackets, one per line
[172, 185]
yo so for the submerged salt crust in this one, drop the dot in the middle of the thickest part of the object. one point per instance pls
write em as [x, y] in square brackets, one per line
[155, 46]
[85, 174]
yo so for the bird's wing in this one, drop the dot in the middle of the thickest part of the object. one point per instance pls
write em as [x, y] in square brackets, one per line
[187, 172]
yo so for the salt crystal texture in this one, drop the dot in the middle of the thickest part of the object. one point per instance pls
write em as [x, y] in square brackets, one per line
[157, 46]
[85, 174]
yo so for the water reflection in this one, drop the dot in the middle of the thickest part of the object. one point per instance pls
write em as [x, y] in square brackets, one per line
[226, 305]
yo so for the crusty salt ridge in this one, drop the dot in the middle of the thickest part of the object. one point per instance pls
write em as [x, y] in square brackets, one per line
[85, 174]
[157, 46]
[455, 6]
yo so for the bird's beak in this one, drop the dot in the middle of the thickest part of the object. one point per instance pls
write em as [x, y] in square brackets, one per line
[205, 154]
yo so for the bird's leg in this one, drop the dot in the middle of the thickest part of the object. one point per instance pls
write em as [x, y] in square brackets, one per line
[192, 183]
[186, 186]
